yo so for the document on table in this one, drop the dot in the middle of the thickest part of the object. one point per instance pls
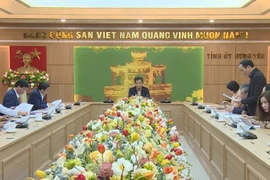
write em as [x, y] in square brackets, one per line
[24, 107]
[229, 97]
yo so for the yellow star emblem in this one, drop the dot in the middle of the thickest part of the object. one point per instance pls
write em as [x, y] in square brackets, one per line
[35, 54]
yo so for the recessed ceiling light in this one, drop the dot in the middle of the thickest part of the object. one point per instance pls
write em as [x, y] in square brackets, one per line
[140, 21]
[211, 20]
[63, 20]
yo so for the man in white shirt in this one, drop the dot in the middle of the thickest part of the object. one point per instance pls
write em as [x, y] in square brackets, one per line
[11, 97]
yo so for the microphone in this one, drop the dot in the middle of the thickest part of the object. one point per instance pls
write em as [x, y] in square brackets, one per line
[165, 101]
[78, 103]
[108, 100]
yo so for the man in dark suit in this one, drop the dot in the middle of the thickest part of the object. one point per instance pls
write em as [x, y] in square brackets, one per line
[36, 97]
[139, 89]
[11, 97]
[256, 84]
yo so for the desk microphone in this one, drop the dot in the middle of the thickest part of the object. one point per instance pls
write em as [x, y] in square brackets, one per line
[68, 106]
[78, 103]
[165, 101]
[48, 116]
[108, 100]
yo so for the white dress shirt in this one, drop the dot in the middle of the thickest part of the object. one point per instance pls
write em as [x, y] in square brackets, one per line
[42, 96]
[16, 93]
[8, 111]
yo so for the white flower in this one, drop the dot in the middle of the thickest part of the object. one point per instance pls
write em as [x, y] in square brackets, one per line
[61, 161]
[173, 130]
[170, 176]
[79, 150]
[121, 166]
[57, 178]
[76, 170]
[133, 159]
[97, 125]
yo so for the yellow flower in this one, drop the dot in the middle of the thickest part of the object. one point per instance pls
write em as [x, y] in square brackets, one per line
[40, 174]
[162, 130]
[108, 156]
[148, 147]
[181, 168]
[164, 162]
[148, 133]
[176, 145]
[189, 99]
[197, 94]
[135, 136]
[114, 177]
[94, 155]
[141, 118]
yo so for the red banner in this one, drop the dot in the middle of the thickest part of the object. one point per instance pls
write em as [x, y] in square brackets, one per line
[37, 53]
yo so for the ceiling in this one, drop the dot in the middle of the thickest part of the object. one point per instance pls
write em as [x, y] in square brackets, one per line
[126, 11]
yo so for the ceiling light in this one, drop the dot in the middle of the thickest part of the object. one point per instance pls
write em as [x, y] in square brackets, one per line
[211, 20]
[140, 21]
[63, 20]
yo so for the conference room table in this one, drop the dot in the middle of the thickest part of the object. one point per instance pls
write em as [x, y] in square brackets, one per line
[221, 151]
[26, 150]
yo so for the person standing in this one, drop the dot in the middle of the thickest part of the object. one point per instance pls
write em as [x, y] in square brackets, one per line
[256, 84]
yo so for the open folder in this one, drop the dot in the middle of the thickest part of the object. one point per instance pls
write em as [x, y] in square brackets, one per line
[24, 107]
[55, 104]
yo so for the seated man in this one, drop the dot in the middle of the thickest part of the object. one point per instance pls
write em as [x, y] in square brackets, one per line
[11, 97]
[36, 97]
[243, 108]
[139, 89]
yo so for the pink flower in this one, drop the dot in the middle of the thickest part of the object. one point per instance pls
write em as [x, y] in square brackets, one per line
[106, 170]
[113, 133]
[143, 161]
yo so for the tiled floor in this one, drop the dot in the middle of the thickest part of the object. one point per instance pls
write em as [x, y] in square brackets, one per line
[197, 171]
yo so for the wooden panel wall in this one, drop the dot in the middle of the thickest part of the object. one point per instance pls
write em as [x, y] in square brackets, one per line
[4, 64]
[217, 72]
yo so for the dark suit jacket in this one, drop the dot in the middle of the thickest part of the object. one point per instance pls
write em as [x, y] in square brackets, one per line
[10, 99]
[144, 92]
[239, 110]
[35, 98]
[256, 84]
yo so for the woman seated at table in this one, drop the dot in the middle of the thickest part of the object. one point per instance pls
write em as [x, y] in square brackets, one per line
[242, 109]
[233, 87]
[263, 110]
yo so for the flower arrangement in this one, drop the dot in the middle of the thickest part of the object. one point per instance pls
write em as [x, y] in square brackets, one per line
[33, 78]
[196, 96]
[133, 140]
